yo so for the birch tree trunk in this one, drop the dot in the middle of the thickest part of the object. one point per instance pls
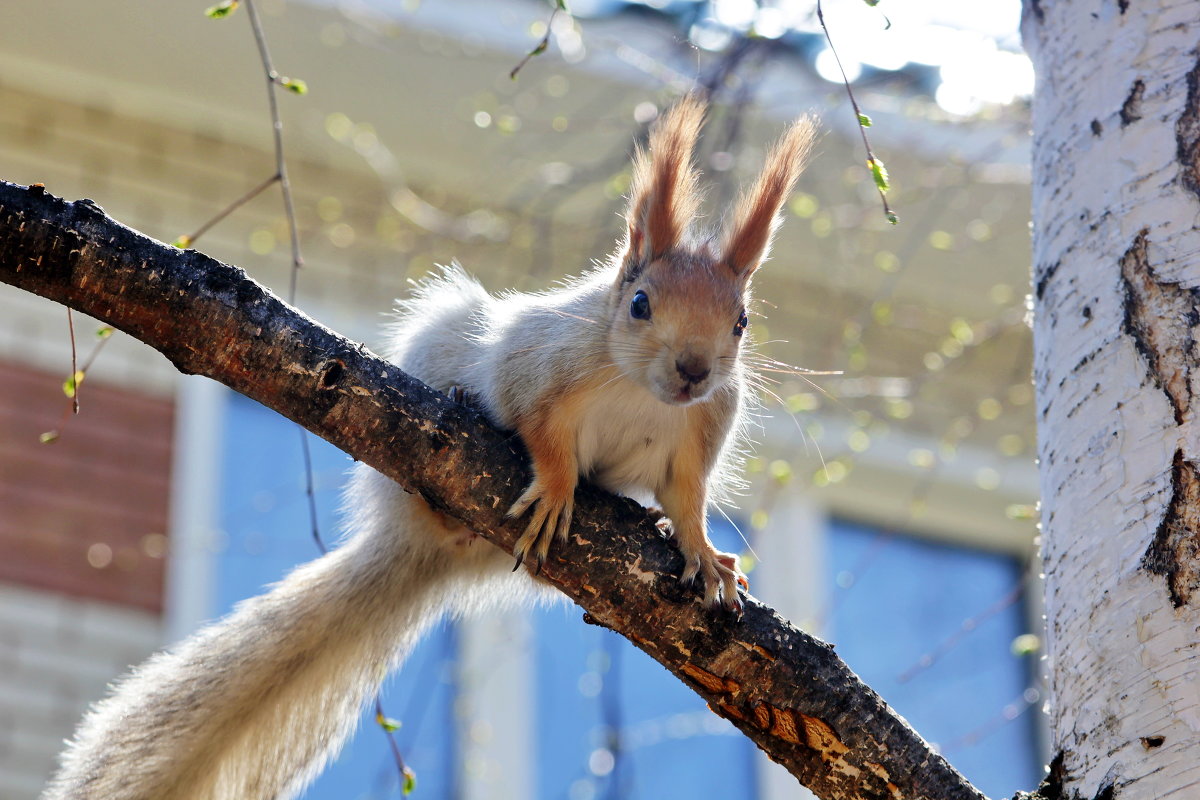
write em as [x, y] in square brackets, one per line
[1116, 271]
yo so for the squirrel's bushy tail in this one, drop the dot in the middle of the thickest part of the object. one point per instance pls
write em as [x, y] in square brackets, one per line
[252, 706]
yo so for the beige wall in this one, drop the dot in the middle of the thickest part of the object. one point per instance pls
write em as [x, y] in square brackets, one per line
[57, 655]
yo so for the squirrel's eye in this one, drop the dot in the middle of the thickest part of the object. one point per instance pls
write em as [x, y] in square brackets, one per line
[742, 322]
[640, 307]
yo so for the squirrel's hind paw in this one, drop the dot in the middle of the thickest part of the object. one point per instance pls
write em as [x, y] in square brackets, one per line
[721, 575]
[551, 520]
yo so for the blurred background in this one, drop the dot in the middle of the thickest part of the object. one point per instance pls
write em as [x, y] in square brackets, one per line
[890, 508]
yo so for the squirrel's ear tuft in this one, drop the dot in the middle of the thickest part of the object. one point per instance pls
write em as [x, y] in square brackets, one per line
[664, 195]
[747, 237]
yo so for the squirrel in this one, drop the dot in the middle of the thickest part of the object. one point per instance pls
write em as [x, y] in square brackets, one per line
[629, 376]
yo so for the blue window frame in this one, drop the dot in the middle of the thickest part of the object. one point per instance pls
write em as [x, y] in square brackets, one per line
[930, 627]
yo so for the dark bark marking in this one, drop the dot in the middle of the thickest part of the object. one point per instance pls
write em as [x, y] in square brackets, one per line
[1095, 226]
[1044, 275]
[331, 374]
[1087, 359]
[1107, 792]
[1160, 318]
[1123, 5]
[1038, 12]
[1175, 551]
[1056, 777]
[1097, 128]
[1151, 742]
[1187, 133]
[1131, 109]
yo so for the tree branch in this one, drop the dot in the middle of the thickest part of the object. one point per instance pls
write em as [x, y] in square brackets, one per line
[787, 691]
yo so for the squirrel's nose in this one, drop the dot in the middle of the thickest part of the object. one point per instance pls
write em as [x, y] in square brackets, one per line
[693, 370]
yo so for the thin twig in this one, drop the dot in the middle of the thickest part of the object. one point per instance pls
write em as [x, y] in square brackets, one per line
[190, 239]
[310, 491]
[872, 162]
[965, 628]
[1005, 716]
[406, 775]
[106, 333]
[77, 375]
[281, 173]
[74, 365]
[540, 47]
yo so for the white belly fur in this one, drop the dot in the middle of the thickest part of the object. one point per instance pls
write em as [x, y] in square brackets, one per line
[627, 438]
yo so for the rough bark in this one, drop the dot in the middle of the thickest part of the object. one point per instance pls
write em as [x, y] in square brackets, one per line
[786, 690]
[1116, 268]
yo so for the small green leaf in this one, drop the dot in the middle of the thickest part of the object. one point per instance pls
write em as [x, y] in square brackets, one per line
[49, 437]
[410, 782]
[871, 3]
[71, 384]
[892, 218]
[221, 10]
[294, 85]
[541, 48]
[864, 120]
[387, 723]
[104, 331]
[183, 242]
[562, 5]
[1026, 644]
[879, 173]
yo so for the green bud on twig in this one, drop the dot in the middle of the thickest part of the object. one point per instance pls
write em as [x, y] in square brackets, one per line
[221, 10]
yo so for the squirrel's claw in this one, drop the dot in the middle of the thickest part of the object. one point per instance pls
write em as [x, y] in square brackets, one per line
[731, 561]
[720, 575]
[551, 520]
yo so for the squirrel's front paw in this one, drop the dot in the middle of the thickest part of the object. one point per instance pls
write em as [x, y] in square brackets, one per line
[721, 575]
[551, 519]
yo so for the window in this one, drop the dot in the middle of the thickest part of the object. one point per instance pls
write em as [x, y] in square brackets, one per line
[613, 723]
[931, 628]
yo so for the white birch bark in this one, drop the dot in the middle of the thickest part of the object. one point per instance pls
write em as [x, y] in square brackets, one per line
[1116, 271]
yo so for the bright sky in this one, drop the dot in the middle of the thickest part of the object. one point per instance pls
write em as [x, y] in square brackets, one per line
[974, 45]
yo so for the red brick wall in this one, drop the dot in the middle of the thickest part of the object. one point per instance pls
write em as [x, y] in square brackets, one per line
[85, 516]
